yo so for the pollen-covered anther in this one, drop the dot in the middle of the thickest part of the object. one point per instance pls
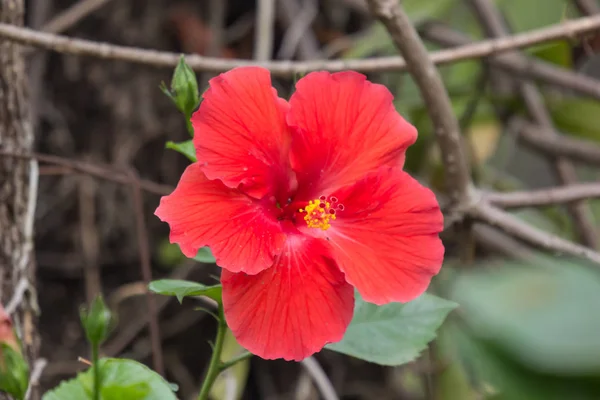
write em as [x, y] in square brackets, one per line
[321, 211]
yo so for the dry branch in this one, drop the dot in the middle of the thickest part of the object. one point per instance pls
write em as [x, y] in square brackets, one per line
[565, 171]
[423, 71]
[521, 66]
[555, 145]
[18, 191]
[527, 233]
[545, 197]
[154, 58]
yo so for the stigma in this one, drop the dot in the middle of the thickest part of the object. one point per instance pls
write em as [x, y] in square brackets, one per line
[320, 212]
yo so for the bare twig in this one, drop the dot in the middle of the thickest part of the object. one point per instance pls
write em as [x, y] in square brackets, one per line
[72, 15]
[544, 197]
[523, 231]
[521, 66]
[154, 58]
[17, 296]
[495, 240]
[97, 170]
[588, 7]
[36, 374]
[265, 26]
[89, 237]
[534, 101]
[406, 39]
[298, 37]
[144, 251]
[320, 378]
[218, 15]
[537, 137]
[136, 325]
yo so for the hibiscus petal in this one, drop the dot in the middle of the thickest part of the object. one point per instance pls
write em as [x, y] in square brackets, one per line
[242, 234]
[292, 309]
[386, 240]
[344, 127]
[240, 133]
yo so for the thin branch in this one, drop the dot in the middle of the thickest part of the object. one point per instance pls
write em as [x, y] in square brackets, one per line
[545, 197]
[494, 240]
[521, 66]
[522, 230]
[534, 101]
[320, 378]
[422, 69]
[97, 170]
[67, 45]
[265, 26]
[17, 297]
[299, 38]
[579, 150]
[34, 379]
[588, 7]
[144, 252]
[217, 22]
[72, 15]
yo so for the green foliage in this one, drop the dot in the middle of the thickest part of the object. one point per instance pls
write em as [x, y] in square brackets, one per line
[184, 91]
[205, 255]
[524, 15]
[393, 334]
[546, 316]
[96, 321]
[186, 148]
[579, 117]
[121, 380]
[14, 372]
[181, 289]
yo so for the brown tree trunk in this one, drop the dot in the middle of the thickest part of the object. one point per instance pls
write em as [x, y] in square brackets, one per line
[18, 183]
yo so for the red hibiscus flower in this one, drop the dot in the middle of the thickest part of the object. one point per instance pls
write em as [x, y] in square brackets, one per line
[301, 201]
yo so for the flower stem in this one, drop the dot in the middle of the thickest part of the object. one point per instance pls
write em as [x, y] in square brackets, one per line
[226, 364]
[96, 368]
[214, 368]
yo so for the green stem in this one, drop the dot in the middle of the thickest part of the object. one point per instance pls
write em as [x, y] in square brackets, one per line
[226, 364]
[189, 125]
[96, 371]
[215, 362]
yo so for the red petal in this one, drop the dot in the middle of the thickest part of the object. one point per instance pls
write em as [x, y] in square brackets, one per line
[386, 239]
[345, 127]
[292, 309]
[241, 233]
[240, 133]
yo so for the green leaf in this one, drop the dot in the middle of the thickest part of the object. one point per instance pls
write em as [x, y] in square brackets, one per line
[545, 315]
[96, 321]
[393, 334]
[186, 148]
[205, 255]
[121, 380]
[14, 372]
[181, 289]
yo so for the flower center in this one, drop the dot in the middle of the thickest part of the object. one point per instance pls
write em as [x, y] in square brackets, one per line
[320, 211]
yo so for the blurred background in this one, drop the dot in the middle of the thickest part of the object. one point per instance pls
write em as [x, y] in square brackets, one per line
[527, 327]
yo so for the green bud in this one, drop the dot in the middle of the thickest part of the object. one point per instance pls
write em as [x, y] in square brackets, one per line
[184, 89]
[96, 321]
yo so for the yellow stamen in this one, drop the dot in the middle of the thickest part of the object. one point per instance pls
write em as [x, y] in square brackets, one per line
[318, 214]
